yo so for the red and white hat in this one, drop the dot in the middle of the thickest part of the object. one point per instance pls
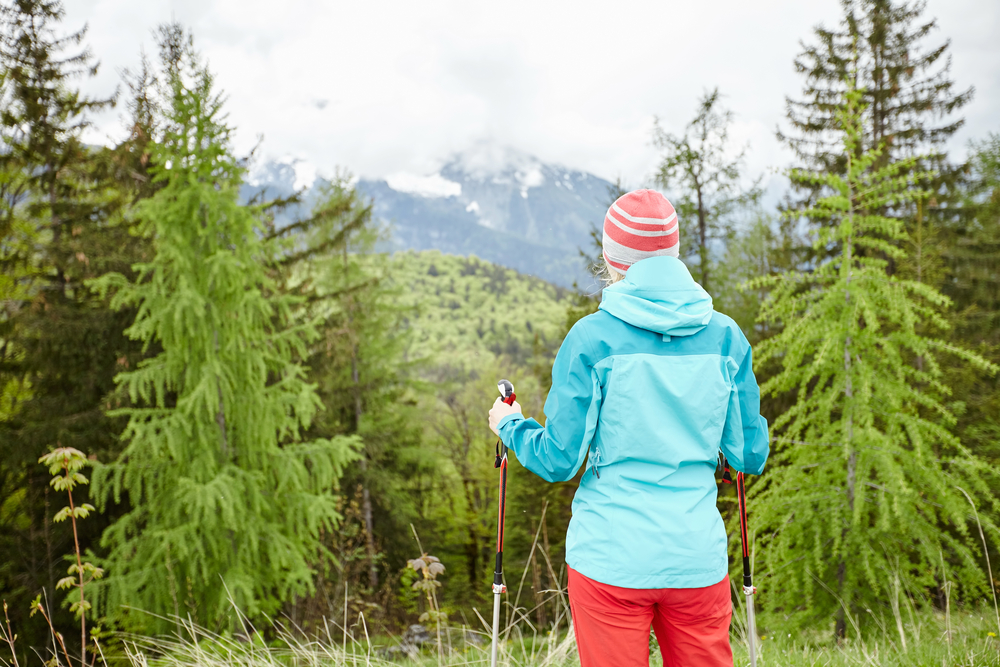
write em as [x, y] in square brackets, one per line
[638, 225]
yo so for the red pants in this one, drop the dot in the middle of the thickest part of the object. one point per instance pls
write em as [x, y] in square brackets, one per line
[612, 624]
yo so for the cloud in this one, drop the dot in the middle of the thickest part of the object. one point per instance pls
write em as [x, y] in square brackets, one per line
[389, 87]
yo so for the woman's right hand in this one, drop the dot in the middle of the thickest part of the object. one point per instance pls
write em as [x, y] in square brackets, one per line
[499, 411]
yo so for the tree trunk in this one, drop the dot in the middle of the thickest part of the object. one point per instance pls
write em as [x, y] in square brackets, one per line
[366, 498]
[220, 415]
[56, 232]
[920, 259]
[472, 545]
[702, 240]
[840, 629]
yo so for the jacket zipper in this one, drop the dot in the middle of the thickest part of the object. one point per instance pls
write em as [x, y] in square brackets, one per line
[594, 460]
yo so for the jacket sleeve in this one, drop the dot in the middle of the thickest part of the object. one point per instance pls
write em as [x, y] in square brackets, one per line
[745, 438]
[556, 451]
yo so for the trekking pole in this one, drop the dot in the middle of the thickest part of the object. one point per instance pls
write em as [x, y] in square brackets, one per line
[748, 587]
[508, 396]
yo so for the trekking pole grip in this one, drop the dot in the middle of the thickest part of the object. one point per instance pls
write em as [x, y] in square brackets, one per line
[507, 395]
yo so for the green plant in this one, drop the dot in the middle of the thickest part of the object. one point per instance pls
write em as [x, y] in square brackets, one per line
[700, 167]
[430, 567]
[861, 486]
[227, 498]
[8, 634]
[65, 464]
[38, 608]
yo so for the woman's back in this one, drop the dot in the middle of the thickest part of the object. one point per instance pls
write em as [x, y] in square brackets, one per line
[653, 385]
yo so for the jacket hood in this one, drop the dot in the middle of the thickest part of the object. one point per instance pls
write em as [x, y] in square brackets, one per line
[658, 294]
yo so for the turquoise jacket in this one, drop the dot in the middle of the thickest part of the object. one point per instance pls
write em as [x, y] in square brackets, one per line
[648, 390]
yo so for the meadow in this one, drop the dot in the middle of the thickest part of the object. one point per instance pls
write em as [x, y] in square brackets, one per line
[966, 638]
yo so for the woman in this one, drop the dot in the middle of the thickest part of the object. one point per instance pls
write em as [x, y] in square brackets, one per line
[648, 390]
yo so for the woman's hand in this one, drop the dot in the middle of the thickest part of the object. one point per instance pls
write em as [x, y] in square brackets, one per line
[499, 411]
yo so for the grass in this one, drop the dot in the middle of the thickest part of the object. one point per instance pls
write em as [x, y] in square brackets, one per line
[929, 644]
[966, 638]
[972, 642]
[195, 647]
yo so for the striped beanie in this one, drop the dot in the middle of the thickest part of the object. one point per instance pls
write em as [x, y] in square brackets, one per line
[638, 225]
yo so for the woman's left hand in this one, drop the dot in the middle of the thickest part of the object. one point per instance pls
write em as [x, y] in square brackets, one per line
[499, 411]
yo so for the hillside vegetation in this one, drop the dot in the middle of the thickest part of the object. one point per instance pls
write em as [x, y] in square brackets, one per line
[462, 310]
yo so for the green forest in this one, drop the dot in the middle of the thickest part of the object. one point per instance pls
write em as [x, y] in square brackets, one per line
[229, 440]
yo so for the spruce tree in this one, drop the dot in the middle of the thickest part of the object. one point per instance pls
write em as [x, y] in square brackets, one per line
[861, 502]
[226, 500]
[61, 344]
[910, 102]
[47, 179]
[907, 89]
[697, 165]
[331, 260]
[18, 268]
[972, 280]
[973, 251]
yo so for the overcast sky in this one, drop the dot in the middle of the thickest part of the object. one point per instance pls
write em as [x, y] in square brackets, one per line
[385, 87]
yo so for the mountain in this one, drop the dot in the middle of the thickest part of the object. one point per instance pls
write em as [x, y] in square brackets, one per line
[500, 205]
[495, 203]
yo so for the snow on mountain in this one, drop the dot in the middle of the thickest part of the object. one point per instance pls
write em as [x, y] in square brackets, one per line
[434, 185]
[502, 205]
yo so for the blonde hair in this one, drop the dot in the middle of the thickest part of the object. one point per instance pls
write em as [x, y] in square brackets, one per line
[609, 275]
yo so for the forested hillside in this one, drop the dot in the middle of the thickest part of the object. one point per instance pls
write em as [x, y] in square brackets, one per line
[464, 309]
